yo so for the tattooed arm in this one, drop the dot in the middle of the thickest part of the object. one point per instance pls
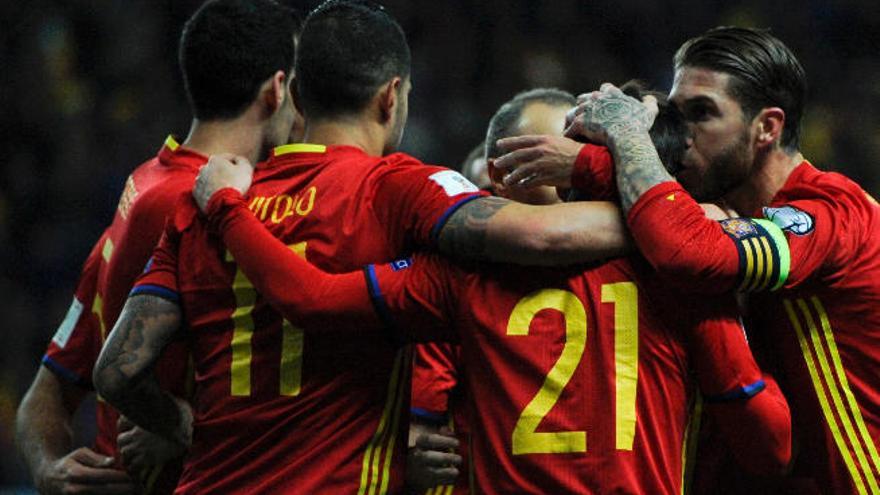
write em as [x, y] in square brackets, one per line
[610, 117]
[124, 371]
[504, 231]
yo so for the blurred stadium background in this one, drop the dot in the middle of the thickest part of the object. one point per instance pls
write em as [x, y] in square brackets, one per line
[90, 88]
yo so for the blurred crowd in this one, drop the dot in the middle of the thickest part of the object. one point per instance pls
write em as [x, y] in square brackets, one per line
[89, 89]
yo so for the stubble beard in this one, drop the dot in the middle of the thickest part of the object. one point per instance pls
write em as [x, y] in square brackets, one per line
[727, 171]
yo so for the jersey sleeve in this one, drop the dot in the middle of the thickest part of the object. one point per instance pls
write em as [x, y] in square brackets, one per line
[593, 174]
[416, 297]
[695, 252]
[434, 376]
[415, 200]
[821, 236]
[749, 409]
[160, 275]
[75, 346]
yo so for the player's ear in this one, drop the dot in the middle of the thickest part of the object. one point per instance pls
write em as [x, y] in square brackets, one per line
[770, 121]
[273, 91]
[389, 98]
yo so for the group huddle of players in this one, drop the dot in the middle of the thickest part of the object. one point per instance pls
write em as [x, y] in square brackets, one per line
[700, 315]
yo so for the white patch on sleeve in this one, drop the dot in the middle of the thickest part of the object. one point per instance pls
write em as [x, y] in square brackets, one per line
[62, 335]
[453, 182]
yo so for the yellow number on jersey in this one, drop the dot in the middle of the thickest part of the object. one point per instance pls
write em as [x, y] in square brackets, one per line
[525, 439]
[290, 378]
[624, 296]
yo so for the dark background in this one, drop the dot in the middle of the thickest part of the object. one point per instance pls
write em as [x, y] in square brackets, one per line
[90, 89]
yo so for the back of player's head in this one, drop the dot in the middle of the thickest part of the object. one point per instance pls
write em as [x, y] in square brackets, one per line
[348, 49]
[764, 72]
[669, 131]
[506, 121]
[229, 48]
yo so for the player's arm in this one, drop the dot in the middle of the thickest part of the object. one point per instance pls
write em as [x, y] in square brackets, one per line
[301, 292]
[124, 373]
[44, 433]
[44, 429]
[752, 414]
[377, 298]
[788, 247]
[149, 320]
[500, 230]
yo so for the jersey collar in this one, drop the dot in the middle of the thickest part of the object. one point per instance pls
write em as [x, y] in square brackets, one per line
[173, 153]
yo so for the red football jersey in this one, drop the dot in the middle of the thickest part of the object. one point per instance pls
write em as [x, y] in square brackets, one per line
[115, 262]
[818, 247]
[277, 410]
[438, 397]
[581, 377]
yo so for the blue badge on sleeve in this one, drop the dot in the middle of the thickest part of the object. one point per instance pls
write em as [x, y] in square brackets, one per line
[401, 264]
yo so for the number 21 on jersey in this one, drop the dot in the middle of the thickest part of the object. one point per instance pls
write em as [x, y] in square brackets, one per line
[624, 297]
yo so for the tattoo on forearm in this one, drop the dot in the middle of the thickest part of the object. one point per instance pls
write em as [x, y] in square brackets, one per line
[464, 234]
[638, 166]
[146, 325]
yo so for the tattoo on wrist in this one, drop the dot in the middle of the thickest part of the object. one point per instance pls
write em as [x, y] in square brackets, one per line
[638, 166]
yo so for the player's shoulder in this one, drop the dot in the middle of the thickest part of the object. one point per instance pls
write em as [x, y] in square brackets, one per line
[809, 183]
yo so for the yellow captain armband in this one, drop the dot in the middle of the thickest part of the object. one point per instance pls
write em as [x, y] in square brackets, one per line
[764, 258]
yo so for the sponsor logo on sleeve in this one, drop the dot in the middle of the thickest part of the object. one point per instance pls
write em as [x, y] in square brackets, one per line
[739, 227]
[791, 219]
[62, 335]
[453, 183]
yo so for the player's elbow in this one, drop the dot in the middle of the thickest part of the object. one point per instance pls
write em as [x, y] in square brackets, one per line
[109, 380]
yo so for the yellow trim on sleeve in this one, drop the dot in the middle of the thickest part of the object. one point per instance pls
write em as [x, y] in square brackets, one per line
[750, 266]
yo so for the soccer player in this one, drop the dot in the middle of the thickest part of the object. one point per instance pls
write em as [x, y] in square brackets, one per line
[581, 376]
[342, 201]
[437, 395]
[248, 110]
[810, 256]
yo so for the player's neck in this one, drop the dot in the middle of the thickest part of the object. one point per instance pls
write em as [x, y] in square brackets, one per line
[237, 136]
[767, 178]
[348, 132]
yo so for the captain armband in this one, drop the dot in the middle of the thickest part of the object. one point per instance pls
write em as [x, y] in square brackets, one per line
[764, 258]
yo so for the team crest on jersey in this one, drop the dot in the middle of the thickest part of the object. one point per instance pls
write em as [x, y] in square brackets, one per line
[791, 219]
[739, 228]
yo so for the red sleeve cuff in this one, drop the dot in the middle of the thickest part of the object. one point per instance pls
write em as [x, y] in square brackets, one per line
[593, 173]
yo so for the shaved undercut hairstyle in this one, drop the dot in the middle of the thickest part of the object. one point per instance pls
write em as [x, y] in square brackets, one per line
[348, 49]
[764, 72]
[506, 121]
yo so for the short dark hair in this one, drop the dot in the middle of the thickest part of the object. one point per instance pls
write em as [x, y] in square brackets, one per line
[765, 73]
[347, 50]
[505, 122]
[669, 131]
[229, 48]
